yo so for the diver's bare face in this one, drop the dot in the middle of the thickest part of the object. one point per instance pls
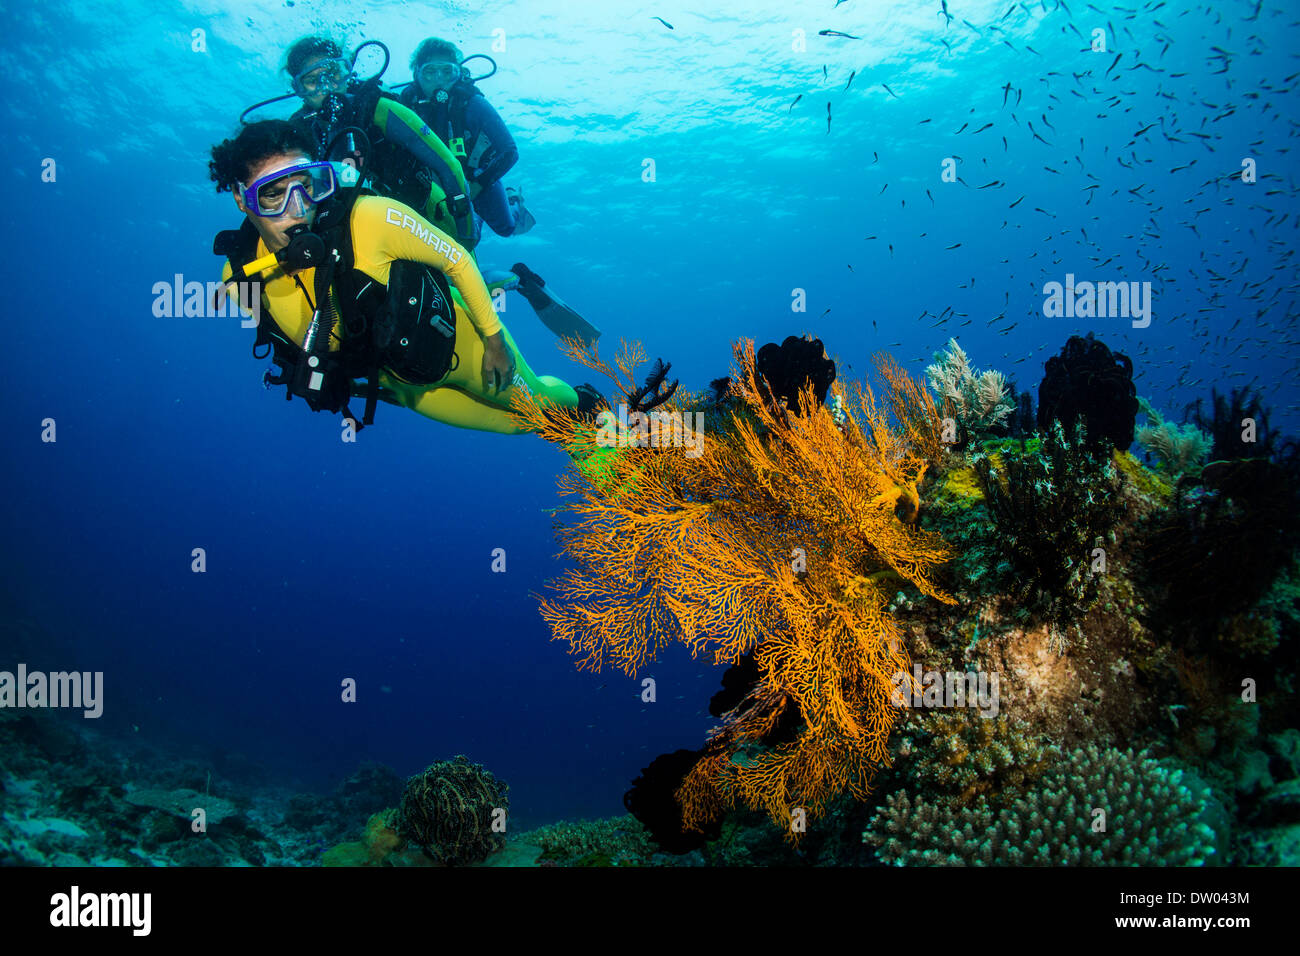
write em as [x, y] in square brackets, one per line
[274, 229]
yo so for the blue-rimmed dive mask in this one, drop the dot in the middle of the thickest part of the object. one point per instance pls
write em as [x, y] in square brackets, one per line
[291, 189]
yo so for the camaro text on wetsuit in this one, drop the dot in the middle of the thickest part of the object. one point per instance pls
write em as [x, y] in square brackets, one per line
[422, 232]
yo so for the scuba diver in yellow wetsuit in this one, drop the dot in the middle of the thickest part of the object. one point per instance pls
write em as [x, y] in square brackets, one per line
[399, 156]
[355, 286]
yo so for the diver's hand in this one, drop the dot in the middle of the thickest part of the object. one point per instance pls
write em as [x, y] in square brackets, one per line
[498, 364]
[474, 190]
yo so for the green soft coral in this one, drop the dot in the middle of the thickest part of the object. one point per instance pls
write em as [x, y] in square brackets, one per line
[376, 844]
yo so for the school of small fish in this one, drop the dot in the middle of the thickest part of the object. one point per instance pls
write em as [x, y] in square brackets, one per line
[1231, 312]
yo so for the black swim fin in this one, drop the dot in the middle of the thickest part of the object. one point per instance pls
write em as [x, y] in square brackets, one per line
[555, 315]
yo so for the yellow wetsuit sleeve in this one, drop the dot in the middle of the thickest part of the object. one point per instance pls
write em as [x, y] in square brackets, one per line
[384, 230]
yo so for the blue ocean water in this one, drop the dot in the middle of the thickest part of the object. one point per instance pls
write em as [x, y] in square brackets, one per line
[789, 169]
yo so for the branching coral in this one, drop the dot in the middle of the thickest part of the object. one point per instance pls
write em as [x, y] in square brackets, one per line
[1149, 817]
[966, 755]
[1182, 449]
[785, 537]
[980, 403]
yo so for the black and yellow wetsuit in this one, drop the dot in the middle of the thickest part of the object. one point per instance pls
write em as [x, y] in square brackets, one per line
[409, 162]
[384, 231]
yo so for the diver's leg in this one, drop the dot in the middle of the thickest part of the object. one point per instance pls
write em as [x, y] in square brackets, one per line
[460, 399]
[453, 407]
[468, 374]
[493, 205]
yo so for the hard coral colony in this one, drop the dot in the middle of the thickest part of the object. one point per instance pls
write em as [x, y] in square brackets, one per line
[803, 548]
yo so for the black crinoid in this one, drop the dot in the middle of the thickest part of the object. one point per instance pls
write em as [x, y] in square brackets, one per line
[1218, 549]
[1051, 509]
[719, 392]
[1088, 382]
[1021, 421]
[787, 367]
[652, 798]
[1239, 414]
[653, 392]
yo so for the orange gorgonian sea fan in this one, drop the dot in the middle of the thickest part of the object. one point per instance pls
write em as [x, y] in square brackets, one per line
[785, 536]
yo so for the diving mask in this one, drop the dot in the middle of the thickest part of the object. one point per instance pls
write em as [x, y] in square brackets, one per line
[301, 185]
[323, 76]
[438, 74]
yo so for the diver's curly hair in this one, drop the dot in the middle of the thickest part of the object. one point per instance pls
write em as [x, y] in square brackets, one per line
[435, 48]
[307, 49]
[233, 159]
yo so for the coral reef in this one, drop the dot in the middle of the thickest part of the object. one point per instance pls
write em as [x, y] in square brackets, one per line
[378, 841]
[615, 841]
[965, 755]
[779, 539]
[455, 811]
[1051, 511]
[785, 368]
[331, 818]
[1149, 818]
[1087, 382]
[819, 547]
[980, 403]
[1180, 449]
[181, 803]
[1228, 429]
[1218, 549]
